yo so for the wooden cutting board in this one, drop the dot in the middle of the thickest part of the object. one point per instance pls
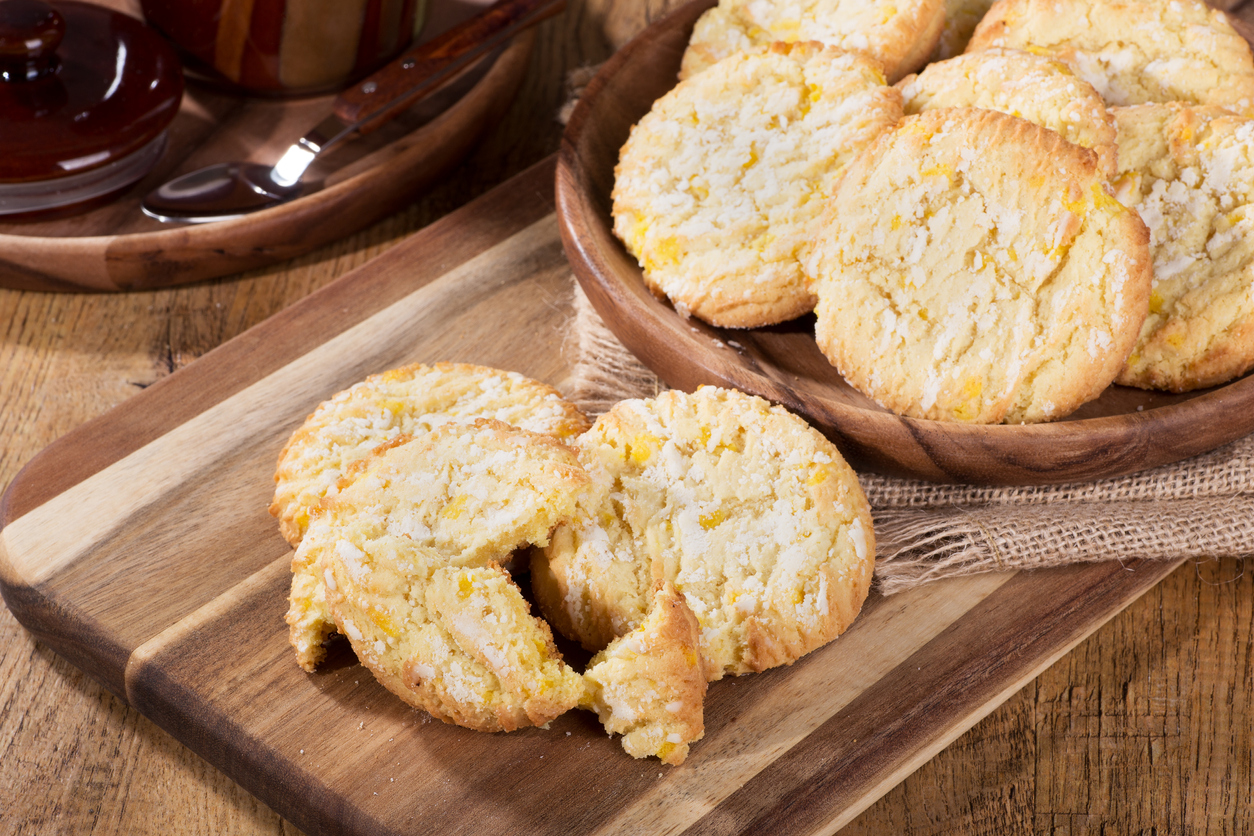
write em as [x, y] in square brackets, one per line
[139, 547]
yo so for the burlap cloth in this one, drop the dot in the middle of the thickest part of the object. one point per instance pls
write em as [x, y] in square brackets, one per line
[1201, 508]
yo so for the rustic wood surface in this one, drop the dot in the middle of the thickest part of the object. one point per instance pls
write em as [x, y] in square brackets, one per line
[1143, 728]
[138, 547]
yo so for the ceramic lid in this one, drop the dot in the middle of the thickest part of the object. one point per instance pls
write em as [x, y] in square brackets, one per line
[81, 87]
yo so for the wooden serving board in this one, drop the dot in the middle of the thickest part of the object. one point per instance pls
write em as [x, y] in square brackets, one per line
[139, 547]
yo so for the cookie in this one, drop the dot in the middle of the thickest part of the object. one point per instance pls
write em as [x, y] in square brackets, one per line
[649, 685]
[718, 187]
[324, 453]
[749, 512]
[488, 618]
[1132, 51]
[409, 552]
[973, 267]
[343, 434]
[899, 34]
[1032, 87]
[1189, 172]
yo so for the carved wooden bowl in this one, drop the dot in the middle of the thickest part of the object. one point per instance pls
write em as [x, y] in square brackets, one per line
[1123, 431]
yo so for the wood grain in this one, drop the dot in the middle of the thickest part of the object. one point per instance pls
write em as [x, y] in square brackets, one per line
[73, 758]
[1069, 753]
[116, 247]
[158, 571]
[1122, 431]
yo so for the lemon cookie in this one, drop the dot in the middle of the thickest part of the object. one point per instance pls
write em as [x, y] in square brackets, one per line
[649, 685]
[343, 431]
[408, 554]
[329, 450]
[1132, 51]
[718, 187]
[488, 618]
[752, 514]
[1033, 87]
[1189, 172]
[899, 34]
[973, 267]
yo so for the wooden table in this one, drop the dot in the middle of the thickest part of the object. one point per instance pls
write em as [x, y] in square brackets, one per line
[1144, 727]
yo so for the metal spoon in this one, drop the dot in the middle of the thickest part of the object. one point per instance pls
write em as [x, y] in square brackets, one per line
[231, 190]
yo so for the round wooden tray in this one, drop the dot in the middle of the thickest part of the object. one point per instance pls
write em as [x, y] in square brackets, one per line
[1123, 431]
[116, 247]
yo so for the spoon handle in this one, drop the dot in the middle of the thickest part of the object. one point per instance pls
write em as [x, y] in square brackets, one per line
[370, 103]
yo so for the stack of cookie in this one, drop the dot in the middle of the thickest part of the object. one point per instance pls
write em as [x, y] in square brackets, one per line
[996, 238]
[681, 539]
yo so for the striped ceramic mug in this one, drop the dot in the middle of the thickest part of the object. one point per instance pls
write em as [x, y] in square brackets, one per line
[286, 47]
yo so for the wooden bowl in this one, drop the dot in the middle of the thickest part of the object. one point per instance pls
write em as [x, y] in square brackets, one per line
[1123, 431]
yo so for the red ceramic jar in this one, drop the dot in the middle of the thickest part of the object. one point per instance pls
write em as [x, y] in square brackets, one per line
[285, 47]
[86, 94]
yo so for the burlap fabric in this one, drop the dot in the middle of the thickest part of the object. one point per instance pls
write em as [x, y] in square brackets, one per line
[1200, 508]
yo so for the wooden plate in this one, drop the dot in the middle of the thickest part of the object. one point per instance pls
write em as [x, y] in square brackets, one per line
[116, 247]
[1124, 430]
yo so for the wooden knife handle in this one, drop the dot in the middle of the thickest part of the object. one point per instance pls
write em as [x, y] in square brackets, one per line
[370, 103]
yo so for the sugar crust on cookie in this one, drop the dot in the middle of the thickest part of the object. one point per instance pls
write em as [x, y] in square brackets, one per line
[1132, 51]
[649, 685]
[974, 268]
[348, 430]
[718, 187]
[747, 510]
[409, 555]
[345, 430]
[1033, 87]
[1189, 172]
[899, 34]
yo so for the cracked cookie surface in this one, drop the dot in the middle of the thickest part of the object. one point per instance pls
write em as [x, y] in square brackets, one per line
[649, 685]
[1132, 51]
[1189, 172]
[974, 268]
[410, 552]
[344, 430]
[749, 512]
[718, 187]
[336, 442]
[1033, 87]
[899, 34]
